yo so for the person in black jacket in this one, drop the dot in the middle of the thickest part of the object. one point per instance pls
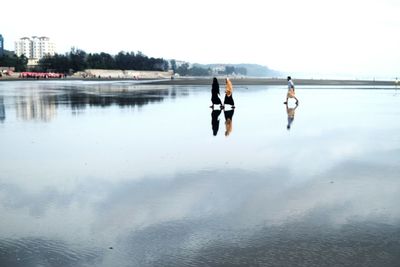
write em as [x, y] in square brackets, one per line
[215, 94]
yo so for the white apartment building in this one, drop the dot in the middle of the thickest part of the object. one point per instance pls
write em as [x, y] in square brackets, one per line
[35, 47]
[41, 46]
[23, 47]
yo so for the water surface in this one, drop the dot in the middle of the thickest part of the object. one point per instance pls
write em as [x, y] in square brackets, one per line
[121, 174]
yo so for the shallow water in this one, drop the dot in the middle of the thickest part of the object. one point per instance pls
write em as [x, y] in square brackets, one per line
[120, 174]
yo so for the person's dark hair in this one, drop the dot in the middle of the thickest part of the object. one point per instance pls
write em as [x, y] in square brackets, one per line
[289, 78]
[215, 85]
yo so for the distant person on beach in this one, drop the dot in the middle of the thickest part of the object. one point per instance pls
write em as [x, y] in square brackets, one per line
[215, 121]
[215, 94]
[290, 115]
[228, 121]
[290, 93]
[228, 94]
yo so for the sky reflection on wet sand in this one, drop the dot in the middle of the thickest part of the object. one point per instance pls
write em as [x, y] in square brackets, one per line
[126, 175]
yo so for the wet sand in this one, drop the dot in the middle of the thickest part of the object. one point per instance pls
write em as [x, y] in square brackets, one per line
[119, 174]
[235, 81]
[271, 81]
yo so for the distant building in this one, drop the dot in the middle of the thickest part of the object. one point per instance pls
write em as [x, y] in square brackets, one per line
[1, 46]
[178, 63]
[23, 47]
[218, 69]
[41, 46]
[34, 48]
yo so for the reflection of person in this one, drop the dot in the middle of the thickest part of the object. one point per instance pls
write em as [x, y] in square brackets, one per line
[215, 121]
[228, 94]
[290, 115]
[2, 110]
[215, 94]
[290, 93]
[228, 121]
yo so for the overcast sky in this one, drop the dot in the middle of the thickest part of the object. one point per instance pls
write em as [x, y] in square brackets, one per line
[343, 37]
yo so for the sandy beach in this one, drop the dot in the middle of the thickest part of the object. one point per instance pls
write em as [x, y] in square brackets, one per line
[125, 174]
[235, 81]
[270, 81]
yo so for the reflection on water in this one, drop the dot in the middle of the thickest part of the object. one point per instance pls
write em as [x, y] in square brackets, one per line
[2, 110]
[83, 99]
[36, 107]
[228, 121]
[290, 115]
[33, 103]
[117, 187]
[228, 114]
[215, 120]
[42, 252]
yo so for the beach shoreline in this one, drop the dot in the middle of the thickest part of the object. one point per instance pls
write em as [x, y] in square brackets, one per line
[208, 81]
[271, 81]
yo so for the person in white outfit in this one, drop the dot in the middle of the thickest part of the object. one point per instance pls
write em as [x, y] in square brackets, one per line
[290, 93]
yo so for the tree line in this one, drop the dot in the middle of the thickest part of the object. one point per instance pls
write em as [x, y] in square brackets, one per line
[79, 60]
[186, 70]
[9, 60]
